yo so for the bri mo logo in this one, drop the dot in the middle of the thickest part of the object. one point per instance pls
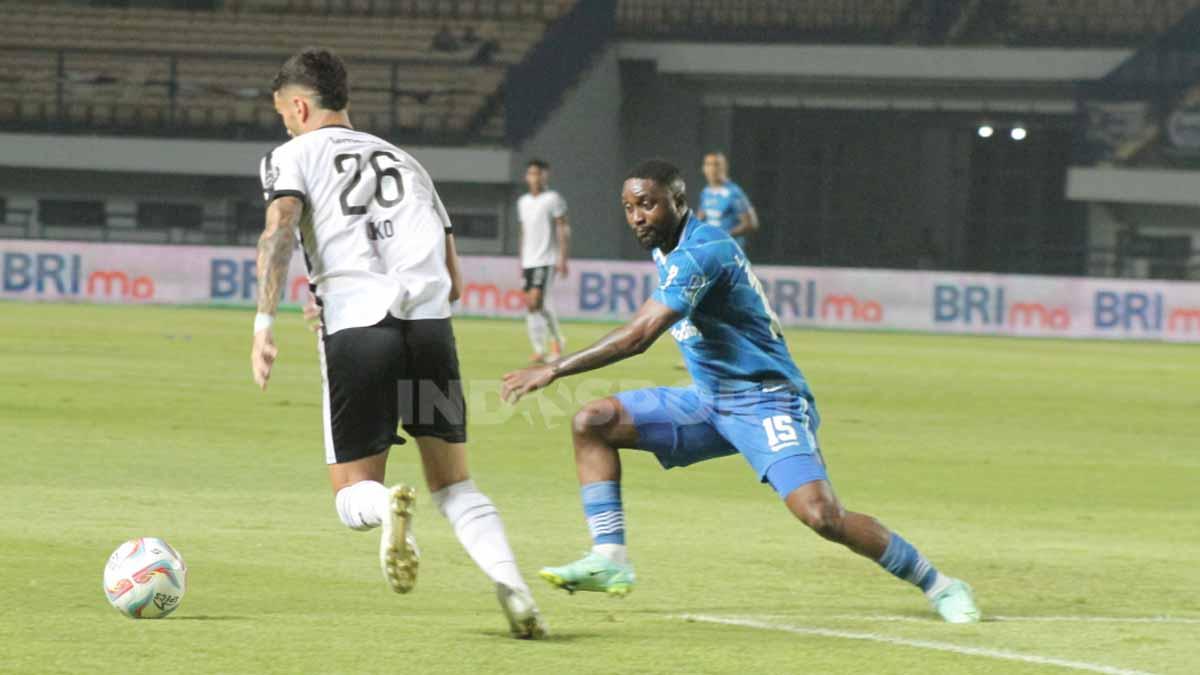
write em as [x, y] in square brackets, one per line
[49, 274]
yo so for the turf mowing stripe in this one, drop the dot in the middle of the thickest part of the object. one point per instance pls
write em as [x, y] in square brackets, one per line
[918, 644]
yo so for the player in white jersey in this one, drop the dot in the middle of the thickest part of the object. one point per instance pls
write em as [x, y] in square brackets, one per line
[381, 261]
[545, 242]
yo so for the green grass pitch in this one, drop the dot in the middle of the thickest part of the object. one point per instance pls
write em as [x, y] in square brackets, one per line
[1060, 478]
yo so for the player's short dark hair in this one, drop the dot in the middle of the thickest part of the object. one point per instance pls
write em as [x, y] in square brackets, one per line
[320, 70]
[539, 163]
[662, 172]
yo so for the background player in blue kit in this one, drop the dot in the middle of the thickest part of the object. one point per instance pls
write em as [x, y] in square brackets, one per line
[748, 397]
[723, 202]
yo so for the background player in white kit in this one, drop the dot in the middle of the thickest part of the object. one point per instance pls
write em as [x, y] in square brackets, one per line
[381, 260]
[545, 242]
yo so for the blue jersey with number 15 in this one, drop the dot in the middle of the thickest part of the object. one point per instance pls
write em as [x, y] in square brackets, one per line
[730, 338]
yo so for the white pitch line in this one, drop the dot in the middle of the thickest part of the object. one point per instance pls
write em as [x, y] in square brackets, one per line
[1001, 654]
[1100, 619]
[899, 618]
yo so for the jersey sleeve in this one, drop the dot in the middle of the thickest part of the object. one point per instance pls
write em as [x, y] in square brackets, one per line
[559, 208]
[738, 201]
[440, 209]
[690, 274]
[282, 173]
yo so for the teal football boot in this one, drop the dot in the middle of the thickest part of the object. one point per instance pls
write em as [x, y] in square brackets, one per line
[593, 572]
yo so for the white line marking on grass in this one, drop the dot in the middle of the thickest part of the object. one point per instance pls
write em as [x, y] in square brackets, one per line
[1019, 619]
[1001, 654]
[1100, 619]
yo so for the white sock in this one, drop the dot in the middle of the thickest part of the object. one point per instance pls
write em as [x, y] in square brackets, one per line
[614, 552]
[552, 325]
[535, 325]
[478, 527]
[362, 506]
[940, 583]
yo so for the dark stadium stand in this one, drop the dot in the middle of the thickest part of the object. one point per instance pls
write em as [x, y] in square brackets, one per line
[202, 71]
[206, 73]
[759, 20]
[1094, 22]
[547, 10]
[1016, 22]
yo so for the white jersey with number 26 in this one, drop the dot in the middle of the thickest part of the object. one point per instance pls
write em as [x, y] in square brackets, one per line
[373, 230]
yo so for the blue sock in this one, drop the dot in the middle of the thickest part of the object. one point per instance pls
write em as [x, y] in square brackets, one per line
[905, 562]
[605, 517]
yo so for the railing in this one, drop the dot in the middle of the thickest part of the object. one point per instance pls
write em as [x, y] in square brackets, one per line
[1058, 23]
[534, 87]
[444, 9]
[887, 21]
[17, 223]
[174, 105]
[859, 21]
[212, 229]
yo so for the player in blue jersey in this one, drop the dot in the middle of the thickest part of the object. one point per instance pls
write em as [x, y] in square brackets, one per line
[748, 397]
[723, 203]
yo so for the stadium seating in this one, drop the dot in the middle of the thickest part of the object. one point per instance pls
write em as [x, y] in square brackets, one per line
[796, 19]
[198, 70]
[1092, 21]
[477, 9]
[65, 64]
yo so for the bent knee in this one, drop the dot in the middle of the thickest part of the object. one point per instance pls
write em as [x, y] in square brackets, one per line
[594, 418]
[821, 515]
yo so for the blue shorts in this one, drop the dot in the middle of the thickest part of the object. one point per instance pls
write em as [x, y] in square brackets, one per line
[774, 428]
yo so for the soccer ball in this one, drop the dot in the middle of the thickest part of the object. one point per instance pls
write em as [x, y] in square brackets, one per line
[145, 578]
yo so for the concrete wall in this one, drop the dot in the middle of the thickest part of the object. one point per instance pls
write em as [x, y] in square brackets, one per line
[998, 64]
[619, 113]
[662, 117]
[581, 141]
[195, 157]
[121, 191]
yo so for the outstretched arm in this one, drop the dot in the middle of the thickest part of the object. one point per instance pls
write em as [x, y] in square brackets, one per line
[635, 337]
[275, 248]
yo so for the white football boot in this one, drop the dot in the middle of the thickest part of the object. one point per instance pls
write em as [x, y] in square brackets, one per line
[524, 620]
[398, 554]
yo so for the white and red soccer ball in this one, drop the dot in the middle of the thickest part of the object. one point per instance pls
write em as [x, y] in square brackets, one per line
[145, 578]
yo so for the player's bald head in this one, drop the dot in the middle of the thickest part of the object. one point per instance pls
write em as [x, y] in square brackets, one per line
[320, 72]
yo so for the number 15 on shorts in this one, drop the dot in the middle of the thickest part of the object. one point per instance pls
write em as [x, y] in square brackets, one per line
[781, 432]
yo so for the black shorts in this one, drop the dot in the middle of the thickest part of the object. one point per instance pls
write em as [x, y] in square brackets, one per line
[538, 277]
[394, 372]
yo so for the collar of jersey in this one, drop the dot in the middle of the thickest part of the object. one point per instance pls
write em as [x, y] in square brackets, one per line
[689, 221]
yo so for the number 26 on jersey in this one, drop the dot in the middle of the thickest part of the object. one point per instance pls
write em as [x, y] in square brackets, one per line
[389, 186]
